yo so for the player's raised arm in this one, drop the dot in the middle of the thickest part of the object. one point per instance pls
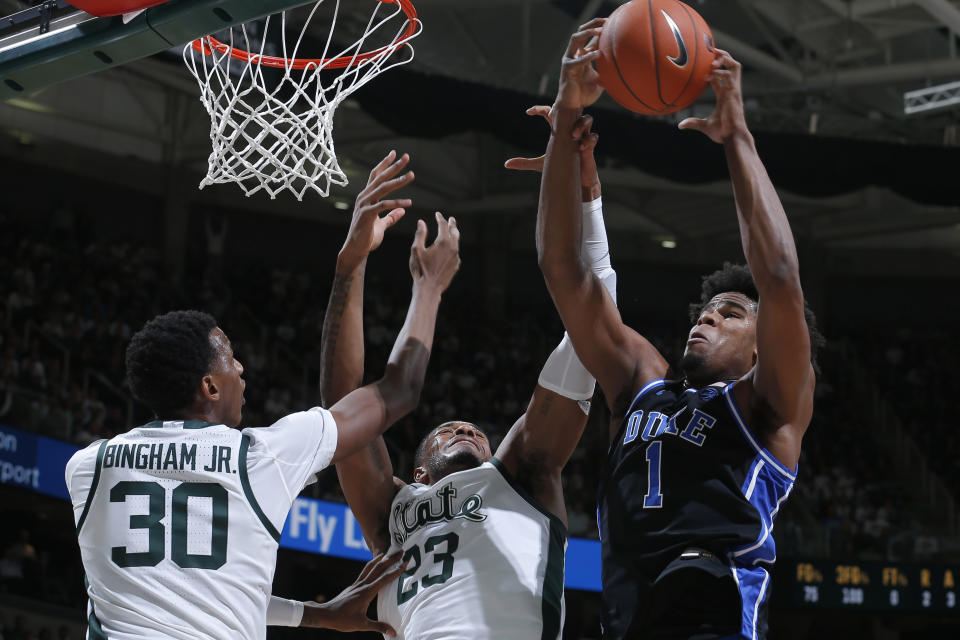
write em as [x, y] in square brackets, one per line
[618, 357]
[782, 378]
[364, 414]
[541, 442]
[366, 477]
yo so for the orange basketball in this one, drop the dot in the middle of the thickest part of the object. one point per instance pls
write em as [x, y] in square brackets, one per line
[655, 56]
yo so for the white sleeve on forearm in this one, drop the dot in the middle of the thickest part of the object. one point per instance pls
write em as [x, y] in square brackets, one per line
[284, 613]
[563, 372]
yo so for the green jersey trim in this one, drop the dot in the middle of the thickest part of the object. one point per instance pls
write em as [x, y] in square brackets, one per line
[554, 520]
[93, 486]
[96, 630]
[552, 608]
[187, 424]
[248, 492]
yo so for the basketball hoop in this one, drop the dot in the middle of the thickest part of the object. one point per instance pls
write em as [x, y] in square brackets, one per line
[274, 130]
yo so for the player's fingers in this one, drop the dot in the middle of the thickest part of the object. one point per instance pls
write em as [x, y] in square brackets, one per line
[442, 231]
[596, 22]
[394, 168]
[581, 60]
[580, 38]
[697, 124]
[383, 188]
[380, 627]
[389, 205]
[583, 125]
[525, 164]
[393, 217]
[454, 232]
[386, 565]
[368, 568]
[387, 159]
[420, 236]
[589, 142]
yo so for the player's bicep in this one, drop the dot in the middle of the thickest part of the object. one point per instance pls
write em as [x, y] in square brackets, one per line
[368, 483]
[783, 376]
[361, 416]
[613, 353]
[545, 435]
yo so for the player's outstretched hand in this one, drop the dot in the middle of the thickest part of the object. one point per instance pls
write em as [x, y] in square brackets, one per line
[589, 176]
[728, 118]
[348, 611]
[367, 225]
[579, 82]
[437, 264]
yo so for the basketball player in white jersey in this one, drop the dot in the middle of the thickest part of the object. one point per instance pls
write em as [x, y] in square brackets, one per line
[483, 536]
[178, 520]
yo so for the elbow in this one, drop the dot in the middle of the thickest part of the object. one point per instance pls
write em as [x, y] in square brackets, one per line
[780, 274]
[401, 389]
[560, 269]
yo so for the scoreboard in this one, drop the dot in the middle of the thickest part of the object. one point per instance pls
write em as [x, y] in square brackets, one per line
[873, 586]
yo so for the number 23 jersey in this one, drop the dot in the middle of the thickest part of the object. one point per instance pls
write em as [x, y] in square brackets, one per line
[484, 561]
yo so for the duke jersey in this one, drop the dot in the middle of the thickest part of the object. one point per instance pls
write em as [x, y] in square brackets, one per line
[484, 561]
[686, 478]
[178, 523]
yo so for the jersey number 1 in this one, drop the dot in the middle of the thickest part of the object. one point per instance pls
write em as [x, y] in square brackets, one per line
[156, 532]
[653, 499]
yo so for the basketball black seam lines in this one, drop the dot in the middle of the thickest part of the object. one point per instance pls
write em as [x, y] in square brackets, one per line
[656, 53]
[623, 81]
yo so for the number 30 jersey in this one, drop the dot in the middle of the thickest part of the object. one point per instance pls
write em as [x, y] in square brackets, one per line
[178, 523]
[484, 561]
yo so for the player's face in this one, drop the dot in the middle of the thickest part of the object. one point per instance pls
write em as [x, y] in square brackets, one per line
[722, 345]
[226, 375]
[454, 446]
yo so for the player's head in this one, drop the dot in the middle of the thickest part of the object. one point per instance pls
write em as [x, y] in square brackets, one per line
[181, 365]
[722, 344]
[453, 446]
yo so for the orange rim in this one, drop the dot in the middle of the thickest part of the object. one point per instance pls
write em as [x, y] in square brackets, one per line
[208, 44]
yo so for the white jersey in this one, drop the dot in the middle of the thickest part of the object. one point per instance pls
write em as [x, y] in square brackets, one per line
[484, 561]
[179, 523]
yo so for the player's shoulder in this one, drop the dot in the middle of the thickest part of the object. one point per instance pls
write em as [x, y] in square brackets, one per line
[85, 458]
[292, 422]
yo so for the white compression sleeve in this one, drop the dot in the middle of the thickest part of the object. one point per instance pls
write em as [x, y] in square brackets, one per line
[563, 372]
[284, 613]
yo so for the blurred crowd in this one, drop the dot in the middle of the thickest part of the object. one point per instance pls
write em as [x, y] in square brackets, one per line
[69, 306]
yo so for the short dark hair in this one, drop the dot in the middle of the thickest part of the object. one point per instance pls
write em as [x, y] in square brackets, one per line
[737, 278]
[168, 357]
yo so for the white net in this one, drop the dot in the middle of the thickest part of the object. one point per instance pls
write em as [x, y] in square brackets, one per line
[271, 122]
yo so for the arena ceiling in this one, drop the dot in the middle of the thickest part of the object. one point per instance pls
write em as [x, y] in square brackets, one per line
[814, 70]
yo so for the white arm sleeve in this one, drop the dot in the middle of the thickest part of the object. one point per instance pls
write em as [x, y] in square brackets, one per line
[284, 613]
[563, 372]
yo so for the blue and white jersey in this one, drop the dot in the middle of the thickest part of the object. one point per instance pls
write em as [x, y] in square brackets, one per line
[685, 472]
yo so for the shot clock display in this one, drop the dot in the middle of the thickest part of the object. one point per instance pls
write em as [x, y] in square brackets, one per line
[875, 586]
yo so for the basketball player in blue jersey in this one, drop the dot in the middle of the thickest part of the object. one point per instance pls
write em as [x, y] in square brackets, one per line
[700, 457]
[483, 535]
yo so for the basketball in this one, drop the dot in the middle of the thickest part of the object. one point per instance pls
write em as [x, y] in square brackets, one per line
[655, 56]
